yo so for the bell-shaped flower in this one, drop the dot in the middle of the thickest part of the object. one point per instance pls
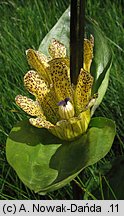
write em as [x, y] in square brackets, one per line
[59, 106]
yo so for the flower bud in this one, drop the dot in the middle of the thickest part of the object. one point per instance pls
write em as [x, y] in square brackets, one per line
[66, 109]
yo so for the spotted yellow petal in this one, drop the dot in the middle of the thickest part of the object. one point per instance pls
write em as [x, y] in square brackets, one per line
[88, 53]
[59, 71]
[35, 84]
[82, 92]
[57, 49]
[29, 106]
[40, 123]
[45, 96]
[43, 58]
[39, 62]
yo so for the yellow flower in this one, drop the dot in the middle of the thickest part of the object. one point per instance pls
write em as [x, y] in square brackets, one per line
[59, 106]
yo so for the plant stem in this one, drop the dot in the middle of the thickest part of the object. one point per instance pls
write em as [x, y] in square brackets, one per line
[77, 24]
[76, 38]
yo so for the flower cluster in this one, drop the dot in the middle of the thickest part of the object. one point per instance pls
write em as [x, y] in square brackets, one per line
[59, 106]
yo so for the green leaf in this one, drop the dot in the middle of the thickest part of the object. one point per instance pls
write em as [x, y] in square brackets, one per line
[102, 53]
[45, 163]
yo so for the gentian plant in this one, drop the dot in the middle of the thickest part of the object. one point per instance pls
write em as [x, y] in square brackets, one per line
[61, 139]
[60, 107]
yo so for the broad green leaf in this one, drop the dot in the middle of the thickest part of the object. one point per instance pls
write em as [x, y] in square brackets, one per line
[45, 163]
[102, 53]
